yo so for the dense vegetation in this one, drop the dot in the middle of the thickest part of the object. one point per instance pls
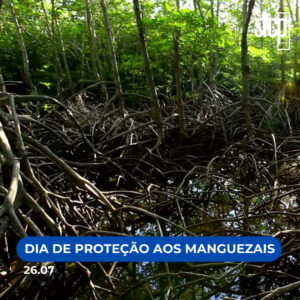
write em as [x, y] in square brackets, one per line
[159, 118]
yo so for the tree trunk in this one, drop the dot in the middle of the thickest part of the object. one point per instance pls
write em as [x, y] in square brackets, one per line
[282, 58]
[247, 12]
[62, 46]
[2, 85]
[213, 56]
[195, 4]
[296, 63]
[26, 68]
[177, 69]
[113, 58]
[198, 5]
[96, 65]
[297, 12]
[148, 69]
[56, 62]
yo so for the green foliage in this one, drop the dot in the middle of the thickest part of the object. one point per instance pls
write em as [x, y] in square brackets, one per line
[201, 34]
[47, 107]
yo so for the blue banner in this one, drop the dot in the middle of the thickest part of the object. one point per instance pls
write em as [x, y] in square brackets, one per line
[149, 249]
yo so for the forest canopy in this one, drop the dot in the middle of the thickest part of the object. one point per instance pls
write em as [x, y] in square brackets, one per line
[150, 118]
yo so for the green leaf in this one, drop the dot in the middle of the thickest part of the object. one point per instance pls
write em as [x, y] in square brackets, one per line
[167, 7]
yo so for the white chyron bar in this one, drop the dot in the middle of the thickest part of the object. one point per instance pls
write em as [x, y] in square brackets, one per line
[279, 27]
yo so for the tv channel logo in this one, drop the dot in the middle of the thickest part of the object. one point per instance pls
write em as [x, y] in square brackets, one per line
[278, 27]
